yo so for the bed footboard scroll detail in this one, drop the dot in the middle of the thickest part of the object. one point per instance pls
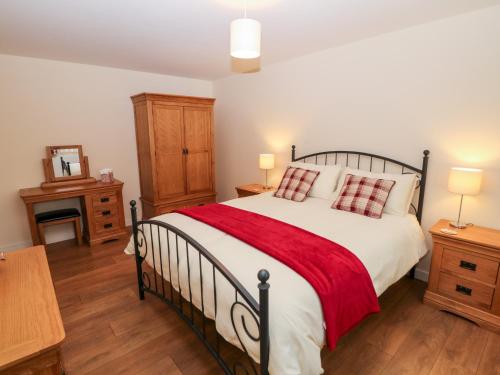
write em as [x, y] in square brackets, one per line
[188, 278]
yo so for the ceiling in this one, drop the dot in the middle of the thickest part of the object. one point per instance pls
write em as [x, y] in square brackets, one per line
[191, 37]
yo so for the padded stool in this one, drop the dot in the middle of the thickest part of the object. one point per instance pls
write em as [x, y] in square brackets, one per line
[66, 215]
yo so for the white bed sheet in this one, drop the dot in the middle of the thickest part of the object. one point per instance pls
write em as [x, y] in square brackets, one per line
[388, 247]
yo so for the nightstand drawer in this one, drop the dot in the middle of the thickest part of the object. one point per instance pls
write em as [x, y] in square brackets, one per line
[470, 292]
[469, 265]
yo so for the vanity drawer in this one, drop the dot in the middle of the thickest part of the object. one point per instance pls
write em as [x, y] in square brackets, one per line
[470, 292]
[469, 265]
[108, 197]
[105, 212]
[109, 225]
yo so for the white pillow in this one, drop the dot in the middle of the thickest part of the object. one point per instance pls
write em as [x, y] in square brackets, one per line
[400, 196]
[327, 180]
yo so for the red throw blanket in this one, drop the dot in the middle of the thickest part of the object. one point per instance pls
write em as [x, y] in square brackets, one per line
[341, 281]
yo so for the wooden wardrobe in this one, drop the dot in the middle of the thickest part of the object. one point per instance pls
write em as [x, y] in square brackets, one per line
[175, 148]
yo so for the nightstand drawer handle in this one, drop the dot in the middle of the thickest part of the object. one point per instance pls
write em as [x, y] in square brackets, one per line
[106, 199]
[110, 225]
[468, 265]
[464, 290]
[106, 213]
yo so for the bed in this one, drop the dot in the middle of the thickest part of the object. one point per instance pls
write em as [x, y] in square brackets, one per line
[277, 323]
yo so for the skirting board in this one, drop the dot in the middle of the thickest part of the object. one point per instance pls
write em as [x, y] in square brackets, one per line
[15, 246]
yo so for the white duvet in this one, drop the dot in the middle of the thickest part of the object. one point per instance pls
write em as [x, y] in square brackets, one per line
[388, 247]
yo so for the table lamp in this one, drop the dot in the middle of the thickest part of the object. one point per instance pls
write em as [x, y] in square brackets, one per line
[464, 181]
[266, 161]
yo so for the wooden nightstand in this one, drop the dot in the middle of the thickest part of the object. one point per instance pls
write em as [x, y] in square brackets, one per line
[464, 273]
[252, 189]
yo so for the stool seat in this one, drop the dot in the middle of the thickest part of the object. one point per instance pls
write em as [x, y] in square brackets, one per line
[65, 213]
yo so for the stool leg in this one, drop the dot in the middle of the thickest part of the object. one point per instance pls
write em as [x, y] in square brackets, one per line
[78, 231]
[41, 233]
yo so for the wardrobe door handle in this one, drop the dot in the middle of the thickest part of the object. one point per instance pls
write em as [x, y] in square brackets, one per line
[187, 151]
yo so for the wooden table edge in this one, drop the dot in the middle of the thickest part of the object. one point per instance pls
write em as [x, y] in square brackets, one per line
[58, 337]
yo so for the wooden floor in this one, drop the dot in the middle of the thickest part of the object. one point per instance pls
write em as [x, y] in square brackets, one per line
[109, 331]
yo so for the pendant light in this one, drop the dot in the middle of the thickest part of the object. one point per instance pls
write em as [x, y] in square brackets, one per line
[245, 37]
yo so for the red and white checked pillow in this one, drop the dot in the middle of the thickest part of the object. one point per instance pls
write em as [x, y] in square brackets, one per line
[296, 184]
[364, 195]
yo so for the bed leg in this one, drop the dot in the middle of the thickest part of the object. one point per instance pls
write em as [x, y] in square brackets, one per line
[263, 276]
[138, 259]
[412, 272]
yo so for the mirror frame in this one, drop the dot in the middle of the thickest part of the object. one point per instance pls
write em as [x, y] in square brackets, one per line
[48, 167]
[50, 155]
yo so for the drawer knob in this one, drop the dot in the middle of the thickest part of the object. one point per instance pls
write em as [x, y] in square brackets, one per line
[105, 199]
[464, 290]
[106, 213]
[108, 225]
[468, 265]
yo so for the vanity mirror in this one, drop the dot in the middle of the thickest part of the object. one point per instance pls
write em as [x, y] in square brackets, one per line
[66, 165]
[66, 161]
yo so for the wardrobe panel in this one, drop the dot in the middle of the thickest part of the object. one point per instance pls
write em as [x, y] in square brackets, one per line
[198, 141]
[168, 130]
[144, 151]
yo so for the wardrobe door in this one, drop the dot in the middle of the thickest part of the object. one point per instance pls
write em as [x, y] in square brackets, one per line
[198, 143]
[168, 133]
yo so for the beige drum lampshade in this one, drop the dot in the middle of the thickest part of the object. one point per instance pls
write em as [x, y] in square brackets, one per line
[266, 161]
[466, 181]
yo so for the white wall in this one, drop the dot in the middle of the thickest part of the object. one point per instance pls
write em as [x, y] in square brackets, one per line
[47, 102]
[434, 86]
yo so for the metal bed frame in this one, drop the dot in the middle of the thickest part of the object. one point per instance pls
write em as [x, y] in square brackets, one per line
[245, 308]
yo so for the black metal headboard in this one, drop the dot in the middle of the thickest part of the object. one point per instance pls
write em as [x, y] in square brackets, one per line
[355, 159]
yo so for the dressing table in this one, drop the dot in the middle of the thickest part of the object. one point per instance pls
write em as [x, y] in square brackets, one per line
[67, 176]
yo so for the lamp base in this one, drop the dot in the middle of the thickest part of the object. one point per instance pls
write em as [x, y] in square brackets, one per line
[457, 225]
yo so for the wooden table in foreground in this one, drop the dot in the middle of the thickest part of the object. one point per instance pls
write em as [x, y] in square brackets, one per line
[31, 329]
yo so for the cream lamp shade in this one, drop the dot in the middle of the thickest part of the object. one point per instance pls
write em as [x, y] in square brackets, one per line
[245, 38]
[465, 181]
[266, 161]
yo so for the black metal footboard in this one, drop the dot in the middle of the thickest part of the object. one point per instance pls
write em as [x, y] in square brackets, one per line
[186, 259]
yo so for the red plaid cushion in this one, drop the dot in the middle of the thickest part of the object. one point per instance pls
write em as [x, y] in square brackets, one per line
[296, 184]
[364, 195]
